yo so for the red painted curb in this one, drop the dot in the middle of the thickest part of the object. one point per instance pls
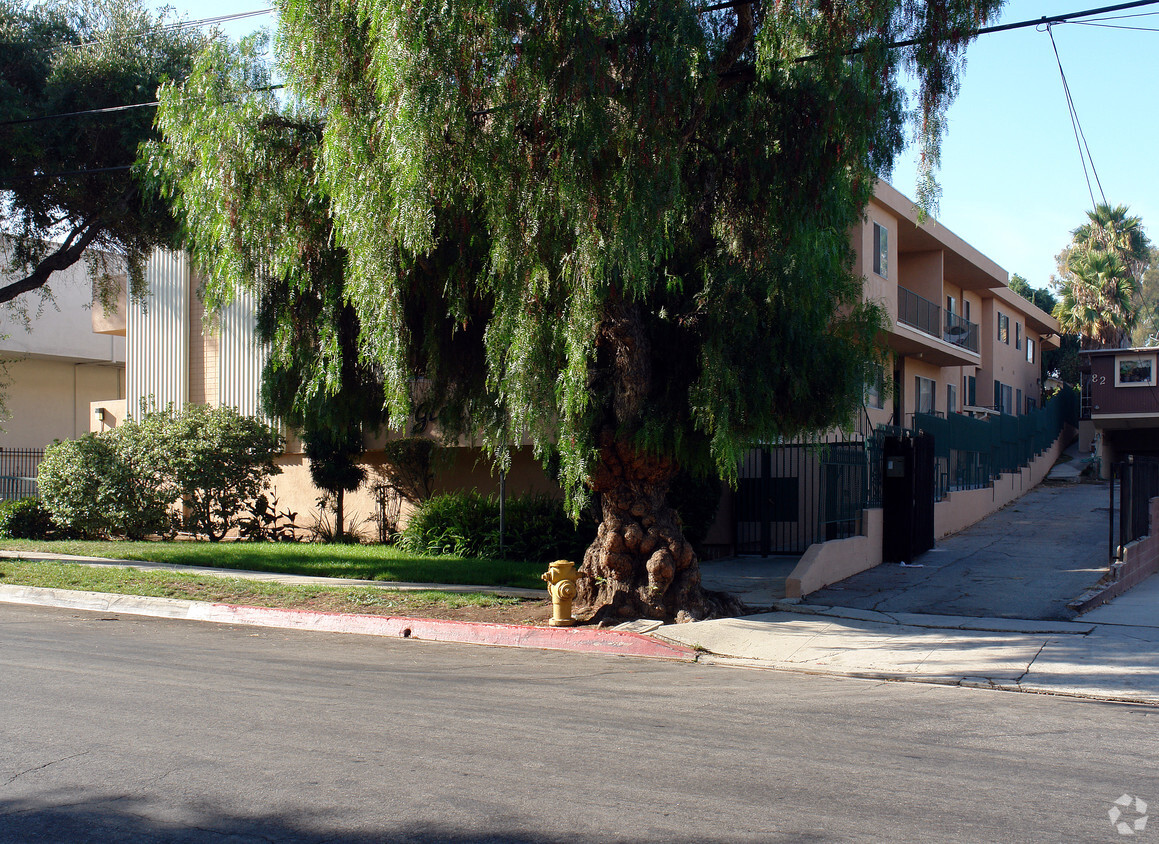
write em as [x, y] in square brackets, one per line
[581, 639]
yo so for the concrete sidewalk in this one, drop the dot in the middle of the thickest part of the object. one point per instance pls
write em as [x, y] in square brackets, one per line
[1112, 653]
[1111, 656]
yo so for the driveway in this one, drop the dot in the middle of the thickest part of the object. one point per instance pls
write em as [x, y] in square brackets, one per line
[1025, 561]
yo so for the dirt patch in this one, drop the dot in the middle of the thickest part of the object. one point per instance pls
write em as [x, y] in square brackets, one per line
[531, 612]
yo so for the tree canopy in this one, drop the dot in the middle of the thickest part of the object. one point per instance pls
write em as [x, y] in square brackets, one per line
[65, 188]
[1099, 277]
[616, 229]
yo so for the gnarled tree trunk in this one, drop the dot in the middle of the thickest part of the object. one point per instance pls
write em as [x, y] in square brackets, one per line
[640, 565]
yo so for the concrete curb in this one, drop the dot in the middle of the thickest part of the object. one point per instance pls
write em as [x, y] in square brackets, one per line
[578, 639]
[960, 680]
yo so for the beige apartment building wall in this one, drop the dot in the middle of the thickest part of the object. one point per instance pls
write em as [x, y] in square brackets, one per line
[1006, 360]
[50, 399]
[878, 288]
[922, 273]
[462, 469]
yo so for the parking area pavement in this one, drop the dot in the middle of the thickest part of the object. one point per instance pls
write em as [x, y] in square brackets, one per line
[1025, 561]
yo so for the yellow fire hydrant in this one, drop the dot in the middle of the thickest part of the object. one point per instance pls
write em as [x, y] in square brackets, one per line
[560, 579]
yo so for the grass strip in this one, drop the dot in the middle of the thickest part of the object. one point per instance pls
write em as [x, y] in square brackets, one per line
[369, 600]
[363, 562]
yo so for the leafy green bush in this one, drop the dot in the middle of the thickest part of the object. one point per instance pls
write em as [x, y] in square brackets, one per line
[467, 524]
[25, 518]
[218, 461]
[124, 482]
[84, 485]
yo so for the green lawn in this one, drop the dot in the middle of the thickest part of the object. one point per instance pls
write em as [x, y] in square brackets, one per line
[166, 584]
[365, 562]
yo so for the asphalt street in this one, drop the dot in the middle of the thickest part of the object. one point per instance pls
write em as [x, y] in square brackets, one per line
[121, 728]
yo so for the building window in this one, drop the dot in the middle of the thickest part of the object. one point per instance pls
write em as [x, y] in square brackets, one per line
[1017, 402]
[1135, 371]
[1029, 350]
[951, 399]
[1003, 328]
[966, 309]
[1004, 398]
[970, 391]
[875, 389]
[1018, 335]
[1031, 405]
[925, 394]
[881, 250]
[951, 305]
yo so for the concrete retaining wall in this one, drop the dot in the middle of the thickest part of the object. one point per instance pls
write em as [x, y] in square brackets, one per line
[1140, 561]
[826, 563]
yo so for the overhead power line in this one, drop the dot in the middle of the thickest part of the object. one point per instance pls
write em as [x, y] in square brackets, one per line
[973, 33]
[1069, 17]
[108, 110]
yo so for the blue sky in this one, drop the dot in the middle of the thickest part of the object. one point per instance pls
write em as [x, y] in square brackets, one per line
[1012, 181]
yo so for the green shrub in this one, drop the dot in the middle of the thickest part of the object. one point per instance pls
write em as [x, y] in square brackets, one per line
[25, 518]
[124, 482]
[467, 524]
[93, 487]
[83, 485]
[218, 461]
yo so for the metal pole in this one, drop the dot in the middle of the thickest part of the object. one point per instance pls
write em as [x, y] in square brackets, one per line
[1111, 520]
[502, 507]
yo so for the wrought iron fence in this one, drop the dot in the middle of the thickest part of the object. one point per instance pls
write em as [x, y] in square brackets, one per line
[794, 493]
[1138, 484]
[18, 467]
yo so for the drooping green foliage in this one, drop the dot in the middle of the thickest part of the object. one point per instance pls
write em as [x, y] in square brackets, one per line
[70, 56]
[574, 220]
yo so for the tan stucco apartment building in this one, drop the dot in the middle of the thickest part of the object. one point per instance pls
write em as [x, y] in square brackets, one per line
[963, 341]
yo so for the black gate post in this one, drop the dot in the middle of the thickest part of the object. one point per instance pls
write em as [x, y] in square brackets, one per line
[1126, 504]
[765, 505]
[1114, 469]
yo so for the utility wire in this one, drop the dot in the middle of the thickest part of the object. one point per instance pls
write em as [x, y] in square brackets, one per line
[1084, 149]
[1046, 22]
[176, 26]
[108, 110]
[973, 33]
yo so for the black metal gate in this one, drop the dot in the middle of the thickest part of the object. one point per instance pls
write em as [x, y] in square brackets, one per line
[792, 495]
[18, 468]
[907, 498]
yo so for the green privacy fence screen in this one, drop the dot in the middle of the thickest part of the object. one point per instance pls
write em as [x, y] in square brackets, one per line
[971, 453]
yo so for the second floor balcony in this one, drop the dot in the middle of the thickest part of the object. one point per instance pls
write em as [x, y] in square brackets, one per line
[927, 317]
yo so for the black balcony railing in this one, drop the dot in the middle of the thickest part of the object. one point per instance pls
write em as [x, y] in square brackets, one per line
[926, 316]
[961, 332]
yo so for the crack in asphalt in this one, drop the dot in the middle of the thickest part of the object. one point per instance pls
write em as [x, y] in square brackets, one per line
[19, 774]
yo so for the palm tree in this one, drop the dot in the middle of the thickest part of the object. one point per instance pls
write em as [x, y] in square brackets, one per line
[1099, 277]
[1114, 229]
[1098, 299]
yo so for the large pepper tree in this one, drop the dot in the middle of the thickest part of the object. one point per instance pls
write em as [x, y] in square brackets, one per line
[619, 229]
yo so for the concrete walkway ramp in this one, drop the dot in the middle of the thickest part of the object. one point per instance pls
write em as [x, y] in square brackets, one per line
[1025, 561]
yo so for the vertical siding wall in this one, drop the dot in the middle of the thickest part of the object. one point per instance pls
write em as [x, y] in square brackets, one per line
[240, 356]
[158, 335]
